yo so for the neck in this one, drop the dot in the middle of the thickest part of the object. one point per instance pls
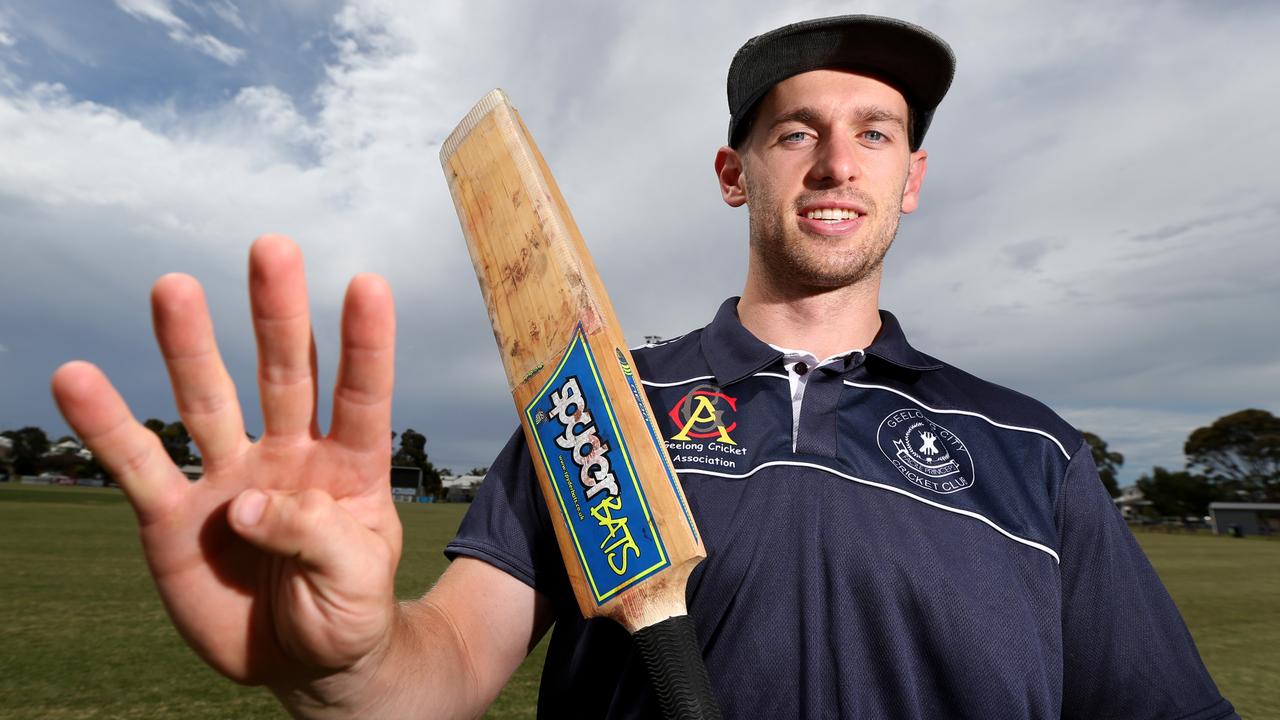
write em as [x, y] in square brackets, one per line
[822, 321]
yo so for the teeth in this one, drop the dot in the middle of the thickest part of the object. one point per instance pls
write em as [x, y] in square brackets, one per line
[831, 214]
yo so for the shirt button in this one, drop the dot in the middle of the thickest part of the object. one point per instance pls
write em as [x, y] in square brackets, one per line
[801, 368]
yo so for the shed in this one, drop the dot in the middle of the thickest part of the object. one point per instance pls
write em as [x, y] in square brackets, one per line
[1250, 518]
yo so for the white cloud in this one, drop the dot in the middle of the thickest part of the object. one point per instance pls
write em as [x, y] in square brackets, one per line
[275, 115]
[154, 10]
[224, 10]
[160, 11]
[8, 52]
[209, 45]
[49, 34]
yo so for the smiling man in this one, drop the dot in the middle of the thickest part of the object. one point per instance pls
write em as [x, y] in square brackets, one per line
[888, 536]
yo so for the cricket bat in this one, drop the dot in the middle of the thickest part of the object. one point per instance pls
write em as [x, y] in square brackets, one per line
[625, 531]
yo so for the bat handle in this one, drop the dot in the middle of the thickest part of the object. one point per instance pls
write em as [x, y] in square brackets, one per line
[676, 672]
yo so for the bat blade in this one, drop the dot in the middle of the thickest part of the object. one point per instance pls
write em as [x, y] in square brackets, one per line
[621, 519]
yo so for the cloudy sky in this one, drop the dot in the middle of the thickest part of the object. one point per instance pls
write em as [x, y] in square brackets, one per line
[1098, 226]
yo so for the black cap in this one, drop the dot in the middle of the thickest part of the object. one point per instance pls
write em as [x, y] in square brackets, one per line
[913, 60]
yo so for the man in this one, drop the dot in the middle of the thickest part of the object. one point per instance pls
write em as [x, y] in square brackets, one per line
[888, 536]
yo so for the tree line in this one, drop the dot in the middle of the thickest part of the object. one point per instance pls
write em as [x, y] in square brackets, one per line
[30, 454]
[1236, 458]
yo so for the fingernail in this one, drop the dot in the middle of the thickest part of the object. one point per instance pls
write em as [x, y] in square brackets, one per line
[249, 509]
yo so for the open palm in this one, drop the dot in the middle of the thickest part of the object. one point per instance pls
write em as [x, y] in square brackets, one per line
[278, 565]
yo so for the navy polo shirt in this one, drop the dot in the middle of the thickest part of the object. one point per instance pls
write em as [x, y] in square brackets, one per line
[929, 545]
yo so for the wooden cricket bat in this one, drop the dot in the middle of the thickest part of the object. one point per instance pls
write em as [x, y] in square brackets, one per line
[628, 539]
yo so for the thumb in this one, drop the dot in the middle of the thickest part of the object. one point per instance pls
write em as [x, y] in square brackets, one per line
[308, 525]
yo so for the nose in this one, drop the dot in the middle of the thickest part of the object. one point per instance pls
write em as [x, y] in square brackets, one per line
[835, 161]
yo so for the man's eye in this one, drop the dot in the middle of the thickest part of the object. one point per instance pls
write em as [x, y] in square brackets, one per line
[794, 137]
[874, 136]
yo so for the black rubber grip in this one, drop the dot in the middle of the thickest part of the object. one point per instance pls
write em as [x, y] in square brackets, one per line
[676, 673]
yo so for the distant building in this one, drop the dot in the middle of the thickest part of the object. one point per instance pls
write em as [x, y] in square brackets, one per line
[460, 488]
[406, 483]
[1244, 518]
[6, 458]
[70, 446]
[1131, 503]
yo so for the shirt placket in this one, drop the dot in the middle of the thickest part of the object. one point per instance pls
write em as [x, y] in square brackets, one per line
[815, 400]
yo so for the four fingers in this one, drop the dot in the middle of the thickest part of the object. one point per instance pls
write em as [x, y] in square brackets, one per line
[366, 369]
[282, 323]
[204, 392]
[130, 452]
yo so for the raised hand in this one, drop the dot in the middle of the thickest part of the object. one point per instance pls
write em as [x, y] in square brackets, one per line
[278, 566]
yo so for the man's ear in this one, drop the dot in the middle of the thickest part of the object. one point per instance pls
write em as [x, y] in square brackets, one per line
[919, 163]
[731, 175]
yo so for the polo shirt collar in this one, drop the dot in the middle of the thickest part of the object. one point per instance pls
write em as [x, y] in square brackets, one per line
[891, 346]
[734, 353]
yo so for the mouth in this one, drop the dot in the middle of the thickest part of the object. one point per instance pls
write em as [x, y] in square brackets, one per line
[832, 218]
[831, 214]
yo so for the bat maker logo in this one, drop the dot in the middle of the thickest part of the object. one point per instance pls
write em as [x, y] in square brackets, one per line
[701, 415]
[587, 462]
[927, 454]
[590, 454]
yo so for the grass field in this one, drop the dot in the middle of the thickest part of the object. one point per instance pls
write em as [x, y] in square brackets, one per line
[83, 635]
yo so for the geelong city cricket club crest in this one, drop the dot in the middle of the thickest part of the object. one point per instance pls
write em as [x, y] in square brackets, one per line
[927, 454]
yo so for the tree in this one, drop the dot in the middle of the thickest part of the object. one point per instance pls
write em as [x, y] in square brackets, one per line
[1178, 494]
[1108, 462]
[1241, 453]
[479, 471]
[174, 437]
[29, 445]
[413, 453]
[91, 469]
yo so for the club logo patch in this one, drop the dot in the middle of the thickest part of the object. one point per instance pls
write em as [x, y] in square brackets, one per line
[701, 415]
[927, 454]
[705, 420]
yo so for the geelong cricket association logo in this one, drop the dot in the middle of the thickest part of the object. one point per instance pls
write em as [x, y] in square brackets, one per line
[705, 413]
[704, 420]
[927, 454]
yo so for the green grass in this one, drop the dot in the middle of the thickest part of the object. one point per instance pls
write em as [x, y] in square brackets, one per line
[1228, 591]
[83, 635]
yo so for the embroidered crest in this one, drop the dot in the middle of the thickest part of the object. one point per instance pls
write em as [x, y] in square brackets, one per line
[927, 454]
[705, 413]
[705, 419]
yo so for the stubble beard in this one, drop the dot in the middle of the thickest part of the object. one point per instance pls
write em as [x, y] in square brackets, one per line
[792, 259]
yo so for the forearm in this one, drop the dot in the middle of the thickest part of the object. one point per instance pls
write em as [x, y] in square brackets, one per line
[421, 668]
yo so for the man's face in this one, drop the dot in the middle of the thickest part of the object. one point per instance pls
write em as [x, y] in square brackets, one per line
[825, 173]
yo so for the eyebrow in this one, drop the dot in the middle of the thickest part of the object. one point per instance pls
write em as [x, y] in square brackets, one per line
[869, 114]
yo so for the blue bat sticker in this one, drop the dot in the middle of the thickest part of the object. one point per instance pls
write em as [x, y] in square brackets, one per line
[590, 468]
